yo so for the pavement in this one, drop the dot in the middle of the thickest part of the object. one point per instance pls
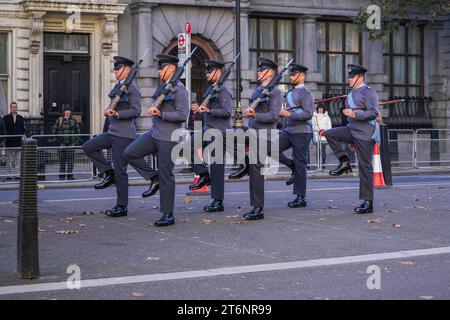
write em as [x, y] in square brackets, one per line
[324, 251]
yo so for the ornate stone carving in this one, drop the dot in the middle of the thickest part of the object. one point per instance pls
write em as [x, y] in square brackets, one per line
[36, 28]
[109, 28]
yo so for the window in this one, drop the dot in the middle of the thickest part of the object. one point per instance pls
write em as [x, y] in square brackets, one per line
[274, 39]
[403, 61]
[338, 44]
[4, 73]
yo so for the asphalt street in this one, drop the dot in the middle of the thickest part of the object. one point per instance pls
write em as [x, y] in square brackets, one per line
[324, 251]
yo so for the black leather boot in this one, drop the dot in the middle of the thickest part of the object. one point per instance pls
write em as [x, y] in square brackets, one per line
[215, 206]
[107, 180]
[117, 211]
[255, 214]
[154, 187]
[241, 171]
[202, 181]
[166, 220]
[298, 202]
[365, 207]
[343, 167]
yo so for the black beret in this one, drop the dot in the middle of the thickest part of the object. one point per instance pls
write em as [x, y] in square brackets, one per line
[164, 59]
[298, 68]
[355, 69]
[67, 107]
[262, 61]
[120, 61]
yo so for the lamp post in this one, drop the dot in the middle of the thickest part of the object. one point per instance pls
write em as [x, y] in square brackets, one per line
[238, 122]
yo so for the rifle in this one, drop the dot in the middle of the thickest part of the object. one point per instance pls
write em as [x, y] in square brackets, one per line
[172, 82]
[213, 89]
[272, 84]
[330, 99]
[124, 87]
[385, 103]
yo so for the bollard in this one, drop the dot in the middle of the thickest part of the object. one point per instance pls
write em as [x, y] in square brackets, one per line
[385, 155]
[27, 222]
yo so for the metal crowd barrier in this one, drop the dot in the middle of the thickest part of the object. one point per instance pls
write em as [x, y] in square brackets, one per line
[422, 148]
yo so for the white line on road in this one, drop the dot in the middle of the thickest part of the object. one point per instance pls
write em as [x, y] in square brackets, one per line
[103, 282]
[398, 186]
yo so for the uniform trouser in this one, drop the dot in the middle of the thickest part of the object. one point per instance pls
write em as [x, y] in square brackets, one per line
[282, 158]
[300, 145]
[256, 180]
[146, 145]
[93, 149]
[66, 159]
[217, 168]
[364, 152]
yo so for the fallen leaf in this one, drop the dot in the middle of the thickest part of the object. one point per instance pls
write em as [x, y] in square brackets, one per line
[234, 216]
[69, 220]
[90, 213]
[239, 208]
[426, 297]
[155, 207]
[373, 220]
[419, 207]
[391, 211]
[67, 231]
[41, 230]
[323, 219]
[187, 200]
[332, 207]
[407, 263]
[207, 221]
[138, 294]
[82, 225]
[152, 258]
[441, 187]
[185, 220]
[8, 221]
[395, 225]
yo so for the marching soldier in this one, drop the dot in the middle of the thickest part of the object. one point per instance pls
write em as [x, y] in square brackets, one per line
[263, 117]
[217, 115]
[361, 111]
[297, 131]
[121, 132]
[170, 116]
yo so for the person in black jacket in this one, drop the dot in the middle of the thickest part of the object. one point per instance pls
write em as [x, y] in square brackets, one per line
[14, 125]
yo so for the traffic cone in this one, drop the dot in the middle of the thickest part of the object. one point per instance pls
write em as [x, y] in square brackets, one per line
[203, 191]
[378, 180]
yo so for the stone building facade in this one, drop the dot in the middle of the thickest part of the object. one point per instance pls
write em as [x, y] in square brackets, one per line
[54, 52]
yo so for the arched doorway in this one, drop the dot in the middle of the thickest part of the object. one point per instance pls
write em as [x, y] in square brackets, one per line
[206, 50]
[199, 84]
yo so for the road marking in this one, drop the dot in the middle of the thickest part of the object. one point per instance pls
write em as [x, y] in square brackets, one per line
[206, 273]
[398, 186]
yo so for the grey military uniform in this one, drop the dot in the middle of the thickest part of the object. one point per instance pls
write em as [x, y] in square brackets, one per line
[121, 132]
[297, 133]
[174, 112]
[267, 112]
[359, 132]
[219, 118]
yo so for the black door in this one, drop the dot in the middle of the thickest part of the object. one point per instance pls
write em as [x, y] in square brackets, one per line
[66, 81]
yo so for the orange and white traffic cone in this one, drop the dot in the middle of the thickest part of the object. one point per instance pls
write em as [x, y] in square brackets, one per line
[378, 179]
[203, 191]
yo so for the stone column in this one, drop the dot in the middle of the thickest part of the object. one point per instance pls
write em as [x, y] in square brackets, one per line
[437, 80]
[306, 27]
[36, 62]
[373, 60]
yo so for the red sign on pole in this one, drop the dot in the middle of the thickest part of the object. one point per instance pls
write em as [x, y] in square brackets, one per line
[181, 41]
[188, 28]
